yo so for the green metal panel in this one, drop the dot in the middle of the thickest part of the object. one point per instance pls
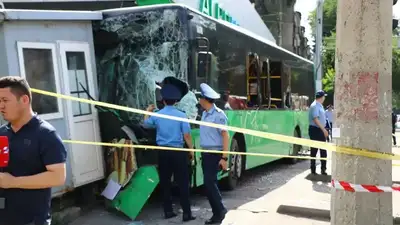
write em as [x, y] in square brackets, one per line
[272, 121]
[152, 2]
[131, 200]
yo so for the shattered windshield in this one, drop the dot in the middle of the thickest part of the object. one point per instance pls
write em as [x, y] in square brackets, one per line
[134, 51]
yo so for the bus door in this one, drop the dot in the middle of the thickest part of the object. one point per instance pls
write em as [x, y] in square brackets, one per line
[265, 85]
[275, 75]
[254, 81]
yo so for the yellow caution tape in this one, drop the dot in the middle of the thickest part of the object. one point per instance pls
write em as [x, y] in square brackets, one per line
[163, 148]
[271, 136]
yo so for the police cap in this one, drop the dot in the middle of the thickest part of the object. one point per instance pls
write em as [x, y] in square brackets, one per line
[208, 92]
[320, 94]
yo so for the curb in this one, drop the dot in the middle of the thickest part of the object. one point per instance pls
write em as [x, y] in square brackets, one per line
[320, 214]
[312, 213]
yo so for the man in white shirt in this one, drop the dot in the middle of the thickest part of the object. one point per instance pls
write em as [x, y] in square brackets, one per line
[329, 114]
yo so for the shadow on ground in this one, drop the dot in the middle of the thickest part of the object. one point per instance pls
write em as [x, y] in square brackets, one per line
[254, 184]
[320, 182]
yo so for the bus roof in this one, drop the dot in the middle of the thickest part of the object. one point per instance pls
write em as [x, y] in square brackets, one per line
[121, 11]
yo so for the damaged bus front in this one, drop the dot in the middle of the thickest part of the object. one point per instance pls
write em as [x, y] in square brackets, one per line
[137, 51]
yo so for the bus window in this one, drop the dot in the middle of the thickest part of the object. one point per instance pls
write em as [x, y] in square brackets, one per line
[254, 98]
[203, 57]
[203, 64]
[276, 84]
[265, 85]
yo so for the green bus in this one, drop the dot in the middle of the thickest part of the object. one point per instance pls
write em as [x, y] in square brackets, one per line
[263, 86]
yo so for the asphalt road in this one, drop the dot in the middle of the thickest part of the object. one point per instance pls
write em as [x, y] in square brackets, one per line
[254, 185]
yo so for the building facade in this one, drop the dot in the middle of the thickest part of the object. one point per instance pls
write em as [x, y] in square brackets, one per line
[300, 42]
[284, 24]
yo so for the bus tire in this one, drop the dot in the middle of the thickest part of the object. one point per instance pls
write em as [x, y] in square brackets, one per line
[295, 150]
[236, 166]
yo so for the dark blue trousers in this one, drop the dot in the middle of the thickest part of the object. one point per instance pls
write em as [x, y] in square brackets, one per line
[316, 134]
[210, 164]
[177, 164]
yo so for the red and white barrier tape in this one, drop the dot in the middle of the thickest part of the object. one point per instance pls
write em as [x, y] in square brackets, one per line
[342, 185]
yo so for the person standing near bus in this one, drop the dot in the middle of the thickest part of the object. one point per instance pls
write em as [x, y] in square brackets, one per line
[329, 115]
[329, 120]
[37, 157]
[172, 133]
[213, 139]
[316, 129]
[394, 120]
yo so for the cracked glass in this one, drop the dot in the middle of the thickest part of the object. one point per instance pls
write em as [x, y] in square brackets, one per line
[136, 50]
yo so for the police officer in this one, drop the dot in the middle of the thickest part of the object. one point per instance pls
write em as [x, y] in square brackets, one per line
[394, 121]
[213, 139]
[316, 129]
[172, 133]
[37, 158]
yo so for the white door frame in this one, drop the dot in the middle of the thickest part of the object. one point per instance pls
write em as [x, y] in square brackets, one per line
[68, 46]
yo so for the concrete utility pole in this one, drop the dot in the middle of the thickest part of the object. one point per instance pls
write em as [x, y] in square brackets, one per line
[318, 44]
[363, 96]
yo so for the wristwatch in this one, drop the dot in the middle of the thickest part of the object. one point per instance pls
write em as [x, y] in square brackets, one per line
[225, 158]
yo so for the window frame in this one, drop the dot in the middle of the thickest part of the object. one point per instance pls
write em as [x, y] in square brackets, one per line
[46, 46]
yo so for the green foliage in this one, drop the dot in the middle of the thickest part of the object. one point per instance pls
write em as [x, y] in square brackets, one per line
[329, 81]
[329, 45]
[328, 57]
[396, 100]
[329, 18]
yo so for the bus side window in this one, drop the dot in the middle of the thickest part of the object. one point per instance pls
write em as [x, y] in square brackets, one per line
[203, 64]
[288, 100]
[276, 84]
[266, 82]
[203, 58]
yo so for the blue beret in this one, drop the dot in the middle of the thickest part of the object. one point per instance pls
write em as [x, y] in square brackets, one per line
[170, 92]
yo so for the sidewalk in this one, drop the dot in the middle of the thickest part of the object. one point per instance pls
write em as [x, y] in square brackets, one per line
[303, 197]
[298, 192]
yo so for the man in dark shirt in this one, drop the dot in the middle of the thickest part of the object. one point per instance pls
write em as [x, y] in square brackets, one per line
[37, 158]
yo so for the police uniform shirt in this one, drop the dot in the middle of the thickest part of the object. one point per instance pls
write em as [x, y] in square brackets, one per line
[210, 137]
[329, 115]
[317, 111]
[32, 148]
[169, 132]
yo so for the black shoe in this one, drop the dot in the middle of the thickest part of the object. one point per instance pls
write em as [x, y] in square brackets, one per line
[188, 217]
[313, 172]
[214, 220]
[324, 173]
[217, 219]
[223, 213]
[170, 215]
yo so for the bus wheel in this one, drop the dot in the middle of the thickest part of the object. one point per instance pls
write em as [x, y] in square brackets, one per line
[295, 150]
[236, 166]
